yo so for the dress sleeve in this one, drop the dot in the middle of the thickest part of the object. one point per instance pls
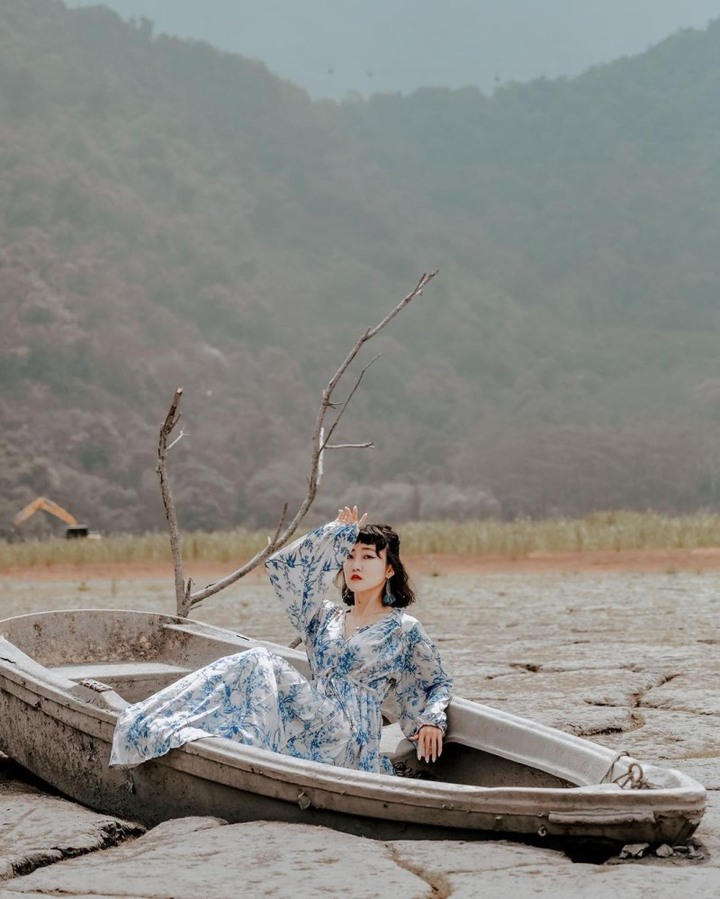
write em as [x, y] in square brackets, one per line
[423, 689]
[302, 572]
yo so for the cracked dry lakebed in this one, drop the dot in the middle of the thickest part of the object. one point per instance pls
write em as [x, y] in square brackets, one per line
[627, 658]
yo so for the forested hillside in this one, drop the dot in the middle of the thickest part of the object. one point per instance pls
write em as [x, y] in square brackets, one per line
[171, 215]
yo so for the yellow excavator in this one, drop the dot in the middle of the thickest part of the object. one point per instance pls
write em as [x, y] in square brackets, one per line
[73, 529]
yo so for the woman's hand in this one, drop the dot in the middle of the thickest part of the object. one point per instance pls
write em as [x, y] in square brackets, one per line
[428, 740]
[350, 516]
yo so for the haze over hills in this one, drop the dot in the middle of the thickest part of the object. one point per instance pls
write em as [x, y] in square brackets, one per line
[174, 215]
[335, 47]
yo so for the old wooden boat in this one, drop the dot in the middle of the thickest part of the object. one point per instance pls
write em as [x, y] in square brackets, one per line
[65, 675]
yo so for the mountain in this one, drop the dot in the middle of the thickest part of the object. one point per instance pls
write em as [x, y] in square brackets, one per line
[333, 48]
[174, 215]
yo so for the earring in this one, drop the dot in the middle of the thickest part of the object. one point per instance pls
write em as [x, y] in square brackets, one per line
[388, 599]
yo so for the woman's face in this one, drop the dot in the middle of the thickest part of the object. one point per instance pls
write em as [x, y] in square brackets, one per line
[366, 569]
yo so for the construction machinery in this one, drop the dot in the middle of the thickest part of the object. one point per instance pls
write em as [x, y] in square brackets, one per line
[73, 530]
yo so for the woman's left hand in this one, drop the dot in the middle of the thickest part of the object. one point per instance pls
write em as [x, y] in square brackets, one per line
[351, 516]
[429, 740]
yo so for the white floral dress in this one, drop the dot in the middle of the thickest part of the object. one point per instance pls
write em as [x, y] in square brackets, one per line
[259, 699]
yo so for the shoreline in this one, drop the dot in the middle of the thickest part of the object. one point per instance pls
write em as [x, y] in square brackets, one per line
[431, 564]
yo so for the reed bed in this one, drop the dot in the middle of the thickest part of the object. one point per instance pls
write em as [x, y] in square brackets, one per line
[615, 531]
[608, 531]
[228, 547]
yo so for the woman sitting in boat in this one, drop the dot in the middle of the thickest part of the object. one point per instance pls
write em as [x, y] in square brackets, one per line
[358, 657]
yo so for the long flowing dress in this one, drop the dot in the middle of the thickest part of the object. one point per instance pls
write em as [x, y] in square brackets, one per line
[259, 699]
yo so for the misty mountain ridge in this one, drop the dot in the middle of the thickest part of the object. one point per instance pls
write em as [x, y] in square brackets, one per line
[176, 215]
[334, 50]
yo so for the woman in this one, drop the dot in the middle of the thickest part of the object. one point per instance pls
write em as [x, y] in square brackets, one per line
[357, 657]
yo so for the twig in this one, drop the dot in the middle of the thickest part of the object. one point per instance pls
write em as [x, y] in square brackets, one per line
[347, 401]
[369, 445]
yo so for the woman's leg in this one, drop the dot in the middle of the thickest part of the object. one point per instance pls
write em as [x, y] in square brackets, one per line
[255, 698]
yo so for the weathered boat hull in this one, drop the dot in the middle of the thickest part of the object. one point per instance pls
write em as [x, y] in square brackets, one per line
[64, 675]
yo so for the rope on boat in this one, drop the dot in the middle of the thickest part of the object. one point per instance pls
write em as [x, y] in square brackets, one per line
[633, 779]
[404, 770]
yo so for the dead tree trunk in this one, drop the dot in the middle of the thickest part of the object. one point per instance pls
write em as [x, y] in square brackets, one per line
[320, 442]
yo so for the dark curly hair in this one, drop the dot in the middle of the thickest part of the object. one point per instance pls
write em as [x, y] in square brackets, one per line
[382, 536]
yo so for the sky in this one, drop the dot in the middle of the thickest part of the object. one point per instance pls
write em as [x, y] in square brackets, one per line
[333, 48]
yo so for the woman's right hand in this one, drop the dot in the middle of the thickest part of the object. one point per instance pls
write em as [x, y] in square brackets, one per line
[350, 516]
[428, 742]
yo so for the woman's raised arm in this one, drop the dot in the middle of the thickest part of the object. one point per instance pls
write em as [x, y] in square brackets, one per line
[302, 572]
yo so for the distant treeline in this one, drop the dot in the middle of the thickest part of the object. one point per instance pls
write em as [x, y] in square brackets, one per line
[173, 215]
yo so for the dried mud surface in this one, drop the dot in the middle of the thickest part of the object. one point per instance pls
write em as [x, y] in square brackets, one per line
[619, 647]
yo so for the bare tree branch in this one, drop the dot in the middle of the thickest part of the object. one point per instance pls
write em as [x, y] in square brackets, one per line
[171, 419]
[347, 401]
[186, 600]
[369, 445]
[278, 529]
